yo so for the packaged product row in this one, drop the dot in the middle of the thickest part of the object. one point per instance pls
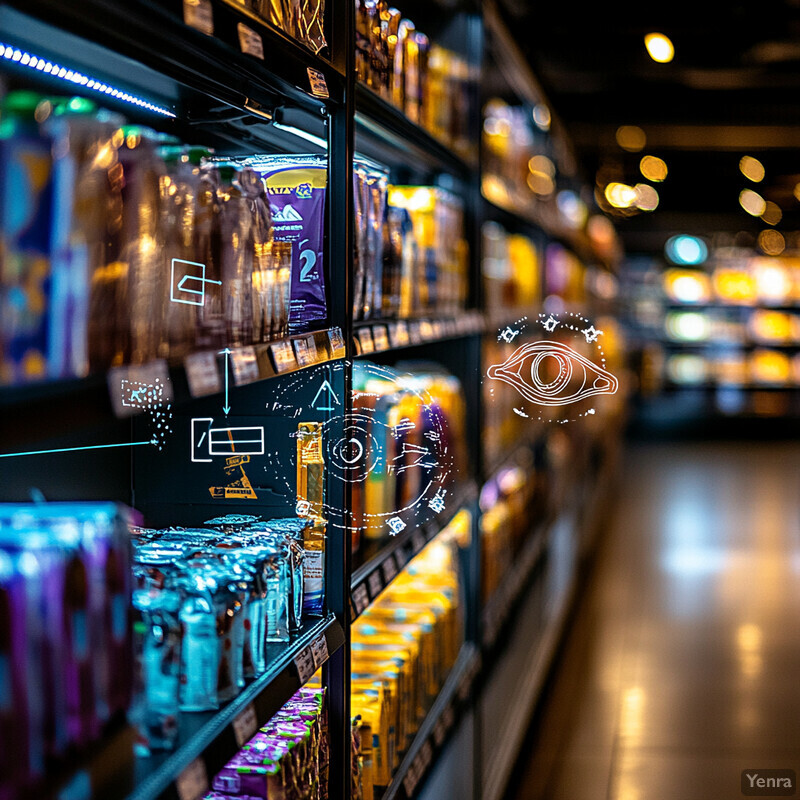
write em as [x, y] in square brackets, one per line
[303, 21]
[411, 254]
[511, 266]
[289, 758]
[106, 617]
[411, 431]
[431, 85]
[121, 245]
[733, 326]
[402, 649]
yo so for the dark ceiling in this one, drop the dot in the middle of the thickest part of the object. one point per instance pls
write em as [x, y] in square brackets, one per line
[733, 89]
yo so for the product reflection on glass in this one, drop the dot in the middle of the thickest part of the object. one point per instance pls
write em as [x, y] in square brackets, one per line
[558, 375]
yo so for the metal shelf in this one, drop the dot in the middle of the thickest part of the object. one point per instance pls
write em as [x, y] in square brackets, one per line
[384, 336]
[369, 580]
[208, 740]
[399, 140]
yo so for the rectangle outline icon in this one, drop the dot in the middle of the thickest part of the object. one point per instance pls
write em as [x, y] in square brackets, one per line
[201, 278]
[256, 446]
[237, 442]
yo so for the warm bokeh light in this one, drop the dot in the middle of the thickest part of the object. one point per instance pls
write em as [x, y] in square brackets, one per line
[542, 164]
[653, 168]
[646, 197]
[687, 286]
[685, 249]
[631, 138]
[659, 47]
[620, 195]
[771, 242]
[772, 213]
[771, 326]
[542, 117]
[572, 208]
[796, 191]
[601, 231]
[770, 367]
[541, 183]
[773, 279]
[734, 285]
[752, 202]
[751, 168]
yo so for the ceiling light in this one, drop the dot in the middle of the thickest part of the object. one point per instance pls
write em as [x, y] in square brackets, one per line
[653, 168]
[631, 138]
[752, 202]
[752, 169]
[659, 47]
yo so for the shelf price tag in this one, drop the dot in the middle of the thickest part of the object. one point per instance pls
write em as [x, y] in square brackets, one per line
[365, 339]
[319, 87]
[417, 541]
[202, 374]
[401, 557]
[426, 330]
[319, 650]
[398, 334]
[415, 333]
[305, 350]
[375, 584]
[304, 661]
[360, 598]
[380, 337]
[192, 783]
[282, 356]
[336, 341]
[245, 365]
[250, 41]
[439, 733]
[389, 569]
[199, 15]
[245, 725]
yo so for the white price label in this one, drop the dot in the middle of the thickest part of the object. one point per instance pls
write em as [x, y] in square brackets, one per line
[319, 649]
[198, 14]
[381, 338]
[245, 725]
[389, 569]
[245, 365]
[375, 584]
[360, 598]
[319, 87]
[202, 374]
[365, 339]
[304, 661]
[282, 356]
[250, 41]
[336, 341]
[192, 783]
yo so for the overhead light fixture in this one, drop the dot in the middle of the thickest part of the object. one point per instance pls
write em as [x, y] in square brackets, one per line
[46, 67]
[659, 47]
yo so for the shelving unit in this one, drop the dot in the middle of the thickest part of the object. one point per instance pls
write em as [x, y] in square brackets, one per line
[229, 80]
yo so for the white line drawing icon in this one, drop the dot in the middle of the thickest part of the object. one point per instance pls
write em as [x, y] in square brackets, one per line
[330, 395]
[553, 374]
[208, 442]
[196, 296]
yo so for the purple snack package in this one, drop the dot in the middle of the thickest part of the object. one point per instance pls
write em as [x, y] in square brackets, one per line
[296, 187]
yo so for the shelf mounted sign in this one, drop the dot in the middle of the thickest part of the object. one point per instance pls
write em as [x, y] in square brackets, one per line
[192, 783]
[199, 15]
[319, 87]
[250, 42]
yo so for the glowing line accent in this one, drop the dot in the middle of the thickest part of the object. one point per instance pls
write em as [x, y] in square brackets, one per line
[32, 61]
[73, 449]
[300, 133]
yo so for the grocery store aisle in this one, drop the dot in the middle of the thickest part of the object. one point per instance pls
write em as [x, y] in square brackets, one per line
[681, 665]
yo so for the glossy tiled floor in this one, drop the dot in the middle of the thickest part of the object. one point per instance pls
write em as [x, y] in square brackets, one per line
[682, 664]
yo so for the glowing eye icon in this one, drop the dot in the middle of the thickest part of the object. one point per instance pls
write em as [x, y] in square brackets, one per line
[553, 368]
